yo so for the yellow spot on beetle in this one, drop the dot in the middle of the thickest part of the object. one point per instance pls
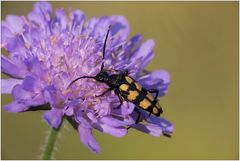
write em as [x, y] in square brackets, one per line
[144, 104]
[138, 86]
[129, 80]
[150, 96]
[124, 87]
[155, 110]
[158, 105]
[132, 95]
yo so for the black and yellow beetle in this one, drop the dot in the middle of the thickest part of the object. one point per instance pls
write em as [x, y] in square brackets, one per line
[127, 89]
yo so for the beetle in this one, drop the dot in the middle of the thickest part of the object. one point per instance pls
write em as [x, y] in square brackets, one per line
[126, 88]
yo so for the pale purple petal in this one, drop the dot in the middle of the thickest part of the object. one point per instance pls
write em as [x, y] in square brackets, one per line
[23, 104]
[26, 97]
[43, 7]
[144, 53]
[166, 126]
[50, 94]
[78, 18]
[114, 131]
[15, 46]
[8, 84]
[133, 44]
[151, 129]
[53, 117]
[90, 26]
[8, 67]
[159, 79]
[119, 29]
[33, 64]
[41, 15]
[19, 93]
[6, 35]
[36, 100]
[59, 23]
[36, 19]
[127, 108]
[15, 106]
[126, 53]
[87, 138]
[14, 23]
[100, 28]
[29, 83]
[114, 122]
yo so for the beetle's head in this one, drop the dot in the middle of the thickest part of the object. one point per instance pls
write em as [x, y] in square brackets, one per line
[102, 76]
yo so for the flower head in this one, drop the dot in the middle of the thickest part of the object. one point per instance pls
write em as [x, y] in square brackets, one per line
[48, 51]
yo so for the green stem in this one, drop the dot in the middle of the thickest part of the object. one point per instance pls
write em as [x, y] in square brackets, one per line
[51, 140]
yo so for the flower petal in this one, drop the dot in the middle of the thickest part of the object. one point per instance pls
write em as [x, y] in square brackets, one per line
[14, 23]
[114, 122]
[53, 117]
[166, 126]
[26, 97]
[6, 35]
[100, 28]
[59, 23]
[114, 131]
[19, 93]
[51, 96]
[119, 30]
[15, 106]
[126, 52]
[133, 44]
[43, 7]
[127, 108]
[159, 79]
[87, 138]
[34, 64]
[29, 83]
[10, 68]
[77, 18]
[41, 15]
[36, 100]
[23, 100]
[151, 129]
[8, 84]
[144, 53]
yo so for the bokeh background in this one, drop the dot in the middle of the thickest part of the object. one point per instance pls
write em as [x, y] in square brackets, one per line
[197, 42]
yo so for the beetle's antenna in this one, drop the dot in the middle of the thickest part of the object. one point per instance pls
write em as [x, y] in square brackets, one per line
[78, 79]
[104, 46]
[104, 51]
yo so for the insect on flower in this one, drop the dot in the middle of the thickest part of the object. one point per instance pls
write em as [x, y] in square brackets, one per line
[48, 52]
[126, 88]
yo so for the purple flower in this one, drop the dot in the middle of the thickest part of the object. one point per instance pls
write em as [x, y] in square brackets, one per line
[47, 51]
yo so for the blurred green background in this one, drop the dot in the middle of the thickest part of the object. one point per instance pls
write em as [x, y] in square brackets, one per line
[197, 42]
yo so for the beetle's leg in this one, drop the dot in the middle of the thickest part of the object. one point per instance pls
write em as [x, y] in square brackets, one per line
[121, 102]
[154, 91]
[109, 89]
[149, 114]
[167, 135]
[137, 120]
